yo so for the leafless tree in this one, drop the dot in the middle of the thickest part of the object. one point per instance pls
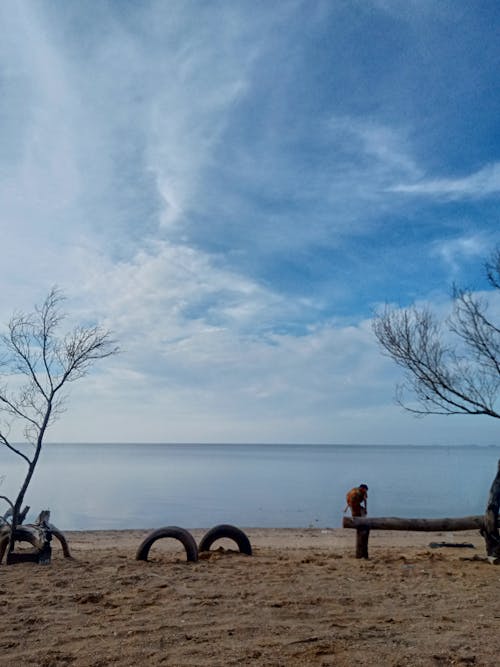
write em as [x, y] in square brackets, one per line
[450, 367]
[39, 361]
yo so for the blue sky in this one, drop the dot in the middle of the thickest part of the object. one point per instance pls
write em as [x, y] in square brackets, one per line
[233, 187]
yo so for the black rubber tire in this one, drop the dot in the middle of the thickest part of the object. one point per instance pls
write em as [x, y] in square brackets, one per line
[184, 536]
[231, 532]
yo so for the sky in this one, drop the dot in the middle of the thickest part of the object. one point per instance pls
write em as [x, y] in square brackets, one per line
[234, 188]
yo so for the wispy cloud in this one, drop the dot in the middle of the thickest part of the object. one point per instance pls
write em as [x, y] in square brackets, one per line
[384, 148]
[454, 251]
[483, 183]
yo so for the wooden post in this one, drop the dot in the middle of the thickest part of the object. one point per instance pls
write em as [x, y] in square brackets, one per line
[486, 523]
[362, 535]
[364, 524]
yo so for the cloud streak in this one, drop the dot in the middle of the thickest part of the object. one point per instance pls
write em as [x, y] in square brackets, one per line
[483, 183]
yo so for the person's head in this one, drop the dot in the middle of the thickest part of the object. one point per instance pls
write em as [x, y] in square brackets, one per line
[363, 486]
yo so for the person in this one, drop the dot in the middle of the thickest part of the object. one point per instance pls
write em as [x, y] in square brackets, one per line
[357, 500]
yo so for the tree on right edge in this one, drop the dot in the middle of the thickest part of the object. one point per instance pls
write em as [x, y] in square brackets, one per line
[450, 367]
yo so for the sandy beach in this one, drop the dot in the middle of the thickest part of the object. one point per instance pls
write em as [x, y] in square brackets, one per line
[300, 599]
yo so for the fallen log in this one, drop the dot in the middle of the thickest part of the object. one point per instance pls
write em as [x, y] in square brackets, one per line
[431, 525]
[364, 524]
[453, 545]
[486, 523]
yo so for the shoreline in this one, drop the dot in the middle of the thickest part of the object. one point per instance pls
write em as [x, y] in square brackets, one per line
[301, 599]
[278, 538]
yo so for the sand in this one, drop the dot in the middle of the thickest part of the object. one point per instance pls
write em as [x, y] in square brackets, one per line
[300, 599]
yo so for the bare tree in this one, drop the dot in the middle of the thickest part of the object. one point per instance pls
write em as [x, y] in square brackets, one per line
[450, 367]
[39, 361]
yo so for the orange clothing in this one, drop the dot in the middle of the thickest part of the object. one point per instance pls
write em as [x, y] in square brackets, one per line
[355, 497]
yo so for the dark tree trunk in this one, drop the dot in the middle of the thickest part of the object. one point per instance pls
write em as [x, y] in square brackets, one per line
[16, 519]
[490, 530]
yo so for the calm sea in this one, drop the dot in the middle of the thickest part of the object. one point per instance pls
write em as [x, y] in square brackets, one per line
[111, 486]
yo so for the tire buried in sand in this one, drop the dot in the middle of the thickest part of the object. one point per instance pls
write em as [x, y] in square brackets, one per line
[231, 532]
[184, 536]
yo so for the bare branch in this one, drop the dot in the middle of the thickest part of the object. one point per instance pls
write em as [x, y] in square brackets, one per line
[8, 501]
[80, 349]
[16, 410]
[492, 267]
[7, 444]
[442, 380]
[478, 333]
[50, 318]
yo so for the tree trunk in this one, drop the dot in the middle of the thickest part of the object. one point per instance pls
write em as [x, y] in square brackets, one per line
[490, 529]
[31, 469]
[17, 515]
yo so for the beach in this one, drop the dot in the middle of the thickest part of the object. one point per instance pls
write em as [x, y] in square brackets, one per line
[302, 598]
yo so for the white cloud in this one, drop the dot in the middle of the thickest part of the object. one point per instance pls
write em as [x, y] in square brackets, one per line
[387, 148]
[202, 356]
[230, 389]
[41, 179]
[483, 183]
[454, 251]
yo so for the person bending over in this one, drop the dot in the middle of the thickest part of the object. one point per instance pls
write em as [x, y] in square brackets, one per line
[357, 500]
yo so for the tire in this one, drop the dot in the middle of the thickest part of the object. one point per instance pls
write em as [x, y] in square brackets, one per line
[184, 536]
[231, 532]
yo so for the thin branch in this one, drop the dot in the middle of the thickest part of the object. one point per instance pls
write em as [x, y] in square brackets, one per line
[435, 373]
[12, 408]
[7, 444]
[492, 268]
[20, 346]
[8, 501]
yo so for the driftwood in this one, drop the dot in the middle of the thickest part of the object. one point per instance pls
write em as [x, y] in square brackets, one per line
[10, 511]
[486, 523]
[431, 525]
[364, 524]
[38, 534]
[453, 545]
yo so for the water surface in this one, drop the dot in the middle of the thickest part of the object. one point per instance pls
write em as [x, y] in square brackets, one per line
[111, 486]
